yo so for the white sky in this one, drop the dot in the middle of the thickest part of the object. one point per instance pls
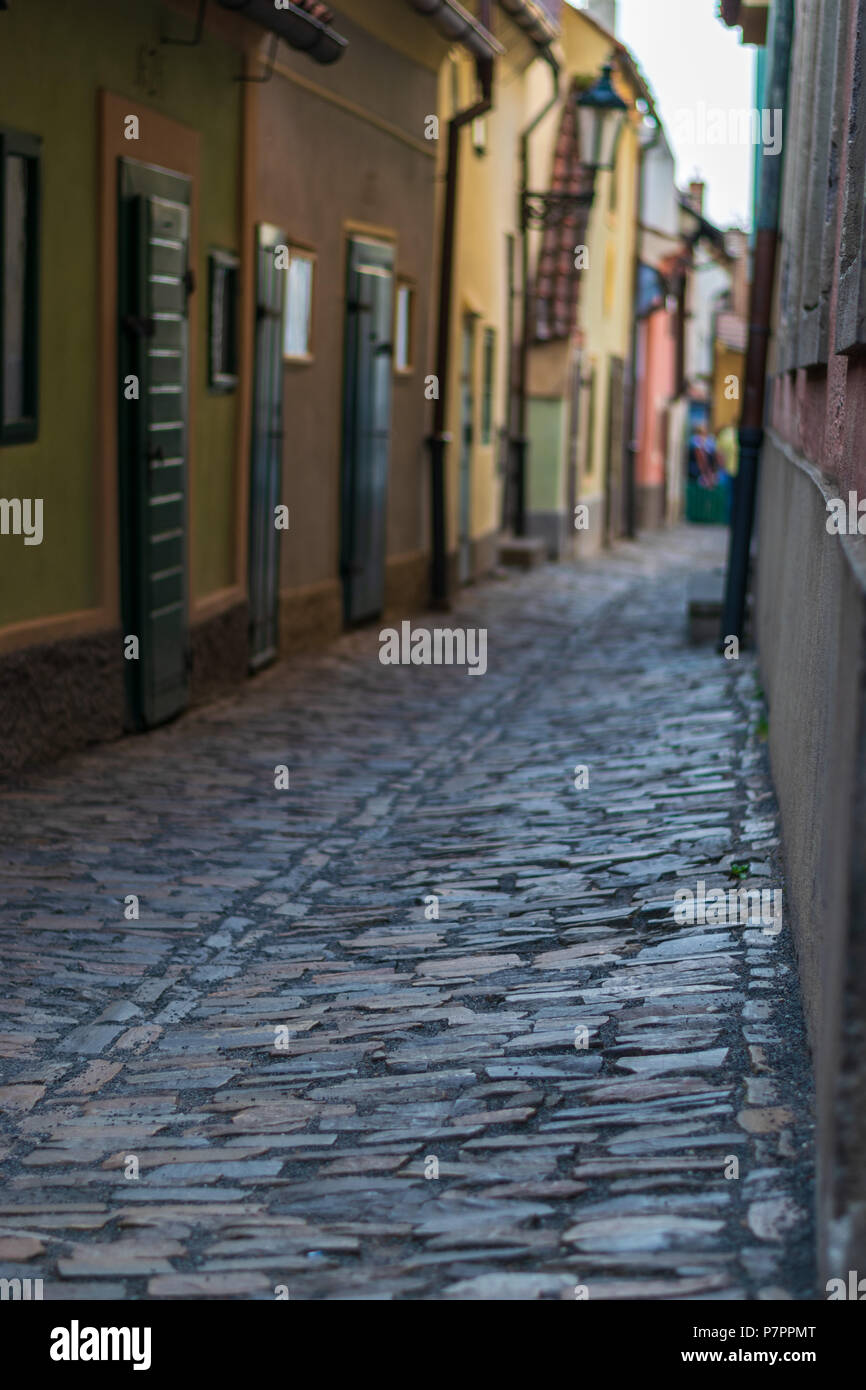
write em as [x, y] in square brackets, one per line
[688, 57]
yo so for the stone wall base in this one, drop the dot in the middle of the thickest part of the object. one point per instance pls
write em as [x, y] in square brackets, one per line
[220, 653]
[649, 507]
[407, 583]
[591, 541]
[552, 528]
[310, 616]
[485, 554]
[811, 627]
[60, 696]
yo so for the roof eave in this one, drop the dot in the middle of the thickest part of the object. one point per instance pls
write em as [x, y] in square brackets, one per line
[298, 28]
[459, 26]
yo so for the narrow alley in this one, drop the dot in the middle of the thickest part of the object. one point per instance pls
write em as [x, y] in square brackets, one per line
[421, 1024]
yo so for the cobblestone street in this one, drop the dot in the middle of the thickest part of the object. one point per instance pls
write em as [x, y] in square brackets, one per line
[252, 1087]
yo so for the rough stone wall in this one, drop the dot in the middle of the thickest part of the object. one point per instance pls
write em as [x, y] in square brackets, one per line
[59, 696]
[811, 624]
[220, 653]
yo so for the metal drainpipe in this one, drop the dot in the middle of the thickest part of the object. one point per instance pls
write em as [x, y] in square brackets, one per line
[751, 434]
[520, 442]
[439, 439]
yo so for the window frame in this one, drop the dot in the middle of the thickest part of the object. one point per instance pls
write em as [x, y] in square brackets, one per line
[29, 147]
[830, 119]
[403, 283]
[222, 383]
[301, 253]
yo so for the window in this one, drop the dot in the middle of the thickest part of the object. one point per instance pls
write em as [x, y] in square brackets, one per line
[405, 327]
[806, 179]
[223, 331]
[19, 286]
[819, 284]
[851, 293]
[489, 367]
[298, 323]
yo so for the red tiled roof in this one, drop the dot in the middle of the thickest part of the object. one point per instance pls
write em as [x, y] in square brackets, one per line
[552, 8]
[732, 330]
[557, 281]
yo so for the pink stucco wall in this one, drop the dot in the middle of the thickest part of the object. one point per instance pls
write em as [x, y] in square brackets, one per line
[657, 352]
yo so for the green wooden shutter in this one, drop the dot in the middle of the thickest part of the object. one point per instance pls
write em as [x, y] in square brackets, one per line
[153, 462]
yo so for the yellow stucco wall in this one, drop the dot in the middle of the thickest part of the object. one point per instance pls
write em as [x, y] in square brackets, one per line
[605, 305]
[728, 363]
[486, 216]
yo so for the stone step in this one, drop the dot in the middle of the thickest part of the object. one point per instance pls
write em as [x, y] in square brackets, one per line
[522, 552]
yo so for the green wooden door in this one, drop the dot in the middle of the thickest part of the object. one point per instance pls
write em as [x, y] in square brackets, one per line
[266, 458]
[366, 426]
[153, 420]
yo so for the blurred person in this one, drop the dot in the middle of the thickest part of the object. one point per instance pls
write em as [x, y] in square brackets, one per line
[702, 457]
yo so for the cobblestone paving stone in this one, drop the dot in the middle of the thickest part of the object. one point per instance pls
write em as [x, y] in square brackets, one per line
[298, 1160]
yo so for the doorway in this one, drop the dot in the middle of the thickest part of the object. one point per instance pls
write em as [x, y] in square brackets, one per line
[266, 449]
[367, 386]
[467, 441]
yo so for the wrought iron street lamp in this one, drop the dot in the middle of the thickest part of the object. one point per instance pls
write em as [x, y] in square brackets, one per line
[601, 114]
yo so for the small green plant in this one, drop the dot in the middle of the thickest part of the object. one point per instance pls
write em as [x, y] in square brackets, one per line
[762, 728]
[740, 870]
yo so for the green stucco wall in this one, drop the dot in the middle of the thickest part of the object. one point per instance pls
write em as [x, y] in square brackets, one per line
[53, 61]
[545, 423]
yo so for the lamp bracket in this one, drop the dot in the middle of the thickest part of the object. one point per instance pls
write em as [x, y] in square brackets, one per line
[552, 209]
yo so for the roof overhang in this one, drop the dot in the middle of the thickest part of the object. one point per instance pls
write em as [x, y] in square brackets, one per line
[532, 19]
[459, 26]
[297, 25]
